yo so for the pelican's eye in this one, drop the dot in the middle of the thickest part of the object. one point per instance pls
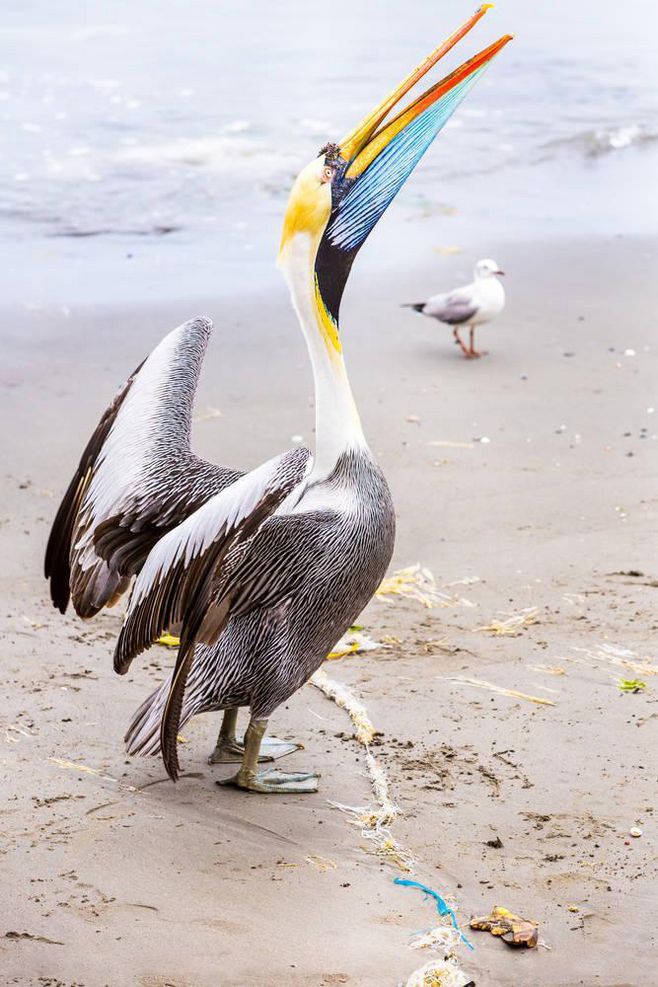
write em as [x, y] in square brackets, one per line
[328, 173]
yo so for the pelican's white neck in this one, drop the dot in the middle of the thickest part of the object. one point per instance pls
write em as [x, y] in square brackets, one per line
[337, 424]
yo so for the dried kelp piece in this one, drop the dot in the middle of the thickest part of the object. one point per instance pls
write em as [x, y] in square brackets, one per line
[511, 928]
[513, 624]
[513, 693]
[321, 863]
[30, 935]
[417, 583]
[621, 657]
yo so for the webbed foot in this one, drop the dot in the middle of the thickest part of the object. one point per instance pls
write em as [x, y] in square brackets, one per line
[274, 782]
[227, 751]
[230, 750]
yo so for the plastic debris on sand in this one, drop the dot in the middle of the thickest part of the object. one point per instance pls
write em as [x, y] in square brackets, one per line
[345, 698]
[442, 907]
[354, 641]
[632, 685]
[374, 819]
[439, 973]
[512, 929]
[168, 641]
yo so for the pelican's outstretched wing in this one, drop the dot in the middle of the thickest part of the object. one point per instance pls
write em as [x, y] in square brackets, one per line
[137, 478]
[186, 579]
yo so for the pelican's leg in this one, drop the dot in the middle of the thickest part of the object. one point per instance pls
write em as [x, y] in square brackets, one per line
[276, 782]
[227, 749]
[458, 339]
[230, 750]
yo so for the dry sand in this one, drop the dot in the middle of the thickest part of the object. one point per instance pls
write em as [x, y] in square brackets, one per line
[111, 875]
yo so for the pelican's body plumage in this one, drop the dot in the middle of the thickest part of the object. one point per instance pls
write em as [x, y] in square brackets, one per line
[341, 531]
[260, 573]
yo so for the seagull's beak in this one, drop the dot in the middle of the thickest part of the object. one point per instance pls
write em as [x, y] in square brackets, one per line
[376, 158]
[502, 273]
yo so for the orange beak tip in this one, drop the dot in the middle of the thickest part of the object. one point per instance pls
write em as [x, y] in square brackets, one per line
[487, 6]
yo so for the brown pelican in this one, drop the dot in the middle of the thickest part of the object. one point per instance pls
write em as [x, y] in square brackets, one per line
[472, 305]
[259, 572]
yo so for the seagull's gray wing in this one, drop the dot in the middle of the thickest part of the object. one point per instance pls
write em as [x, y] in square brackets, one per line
[453, 307]
[137, 478]
[195, 571]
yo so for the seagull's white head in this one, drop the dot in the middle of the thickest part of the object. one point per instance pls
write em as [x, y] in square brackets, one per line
[486, 268]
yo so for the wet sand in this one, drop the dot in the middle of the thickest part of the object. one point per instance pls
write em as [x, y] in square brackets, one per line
[112, 875]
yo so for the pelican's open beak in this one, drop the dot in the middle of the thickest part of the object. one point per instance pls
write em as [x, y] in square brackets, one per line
[376, 158]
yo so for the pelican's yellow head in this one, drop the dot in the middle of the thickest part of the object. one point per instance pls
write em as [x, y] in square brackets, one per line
[309, 204]
[339, 197]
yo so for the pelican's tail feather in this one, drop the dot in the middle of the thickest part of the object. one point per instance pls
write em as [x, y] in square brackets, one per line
[143, 735]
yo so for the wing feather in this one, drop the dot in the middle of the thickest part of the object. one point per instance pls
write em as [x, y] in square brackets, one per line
[175, 580]
[57, 566]
[137, 478]
[176, 584]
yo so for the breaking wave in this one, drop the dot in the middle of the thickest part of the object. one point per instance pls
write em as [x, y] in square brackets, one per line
[603, 140]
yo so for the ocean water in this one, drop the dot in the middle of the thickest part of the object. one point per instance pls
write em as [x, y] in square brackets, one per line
[149, 147]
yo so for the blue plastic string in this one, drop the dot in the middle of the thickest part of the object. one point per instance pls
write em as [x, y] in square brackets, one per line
[441, 906]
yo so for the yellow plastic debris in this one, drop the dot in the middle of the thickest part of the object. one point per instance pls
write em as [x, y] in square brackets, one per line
[631, 685]
[353, 642]
[169, 641]
[512, 929]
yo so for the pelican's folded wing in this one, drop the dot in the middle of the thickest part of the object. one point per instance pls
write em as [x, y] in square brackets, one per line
[137, 478]
[176, 586]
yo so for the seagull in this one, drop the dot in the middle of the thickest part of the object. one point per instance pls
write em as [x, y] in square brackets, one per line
[259, 573]
[473, 305]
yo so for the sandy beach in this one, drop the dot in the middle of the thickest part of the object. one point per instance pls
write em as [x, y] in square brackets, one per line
[523, 480]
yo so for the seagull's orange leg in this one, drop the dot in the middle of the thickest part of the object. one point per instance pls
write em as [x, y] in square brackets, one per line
[472, 352]
[458, 339]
